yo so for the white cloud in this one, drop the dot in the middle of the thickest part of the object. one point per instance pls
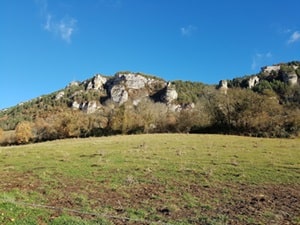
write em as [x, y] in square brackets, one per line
[64, 28]
[259, 59]
[294, 37]
[188, 30]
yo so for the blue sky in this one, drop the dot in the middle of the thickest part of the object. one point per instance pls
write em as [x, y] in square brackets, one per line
[45, 44]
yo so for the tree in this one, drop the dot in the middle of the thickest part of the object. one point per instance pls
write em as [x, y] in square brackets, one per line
[150, 115]
[1, 133]
[23, 132]
[44, 130]
[246, 112]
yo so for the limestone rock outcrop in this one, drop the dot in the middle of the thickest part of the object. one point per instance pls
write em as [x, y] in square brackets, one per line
[97, 83]
[125, 86]
[73, 83]
[59, 95]
[223, 86]
[254, 80]
[89, 107]
[290, 78]
[91, 94]
[269, 69]
[119, 94]
[131, 81]
[75, 105]
[170, 94]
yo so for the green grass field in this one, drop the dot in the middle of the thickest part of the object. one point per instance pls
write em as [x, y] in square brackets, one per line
[152, 179]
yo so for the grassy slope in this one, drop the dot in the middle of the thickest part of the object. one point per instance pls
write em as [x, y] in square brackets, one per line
[172, 178]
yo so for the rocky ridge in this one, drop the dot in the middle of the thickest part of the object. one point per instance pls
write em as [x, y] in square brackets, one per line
[127, 87]
[288, 73]
[92, 94]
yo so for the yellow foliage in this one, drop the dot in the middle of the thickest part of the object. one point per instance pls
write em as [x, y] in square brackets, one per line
[23, 132]
[1, 133]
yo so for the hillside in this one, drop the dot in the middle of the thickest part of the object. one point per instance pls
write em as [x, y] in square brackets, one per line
[263, 104]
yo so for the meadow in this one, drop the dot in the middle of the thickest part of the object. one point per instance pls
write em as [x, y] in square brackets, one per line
[152, 179]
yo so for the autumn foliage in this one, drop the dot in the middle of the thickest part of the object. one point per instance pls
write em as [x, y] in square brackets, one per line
[23, 132]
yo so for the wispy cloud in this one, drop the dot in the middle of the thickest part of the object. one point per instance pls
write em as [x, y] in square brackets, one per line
[294, 37]
[188, 30]
[63, 28]
[259, 59]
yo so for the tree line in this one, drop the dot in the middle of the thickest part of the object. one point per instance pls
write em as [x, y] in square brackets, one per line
[260, 113]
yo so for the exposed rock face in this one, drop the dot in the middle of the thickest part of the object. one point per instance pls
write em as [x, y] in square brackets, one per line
[75, 105]
[290, 78]
[73, 83]
[119, 94]
[170, 94]
[89, 107]
[59, 95]
[223, 86]
[124, 86]
[269, 69]
[253, 81]
[132, 81]
[121, 88]
[97, 83]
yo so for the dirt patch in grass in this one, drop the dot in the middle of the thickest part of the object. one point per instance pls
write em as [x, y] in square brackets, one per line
[167, 202]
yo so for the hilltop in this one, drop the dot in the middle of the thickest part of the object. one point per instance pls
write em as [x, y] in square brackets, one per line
[262, 104]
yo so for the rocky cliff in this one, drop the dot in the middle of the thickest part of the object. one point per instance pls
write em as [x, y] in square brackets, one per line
[92, 94]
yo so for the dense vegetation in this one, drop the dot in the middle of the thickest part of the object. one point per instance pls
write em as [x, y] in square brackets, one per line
[269, 109]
